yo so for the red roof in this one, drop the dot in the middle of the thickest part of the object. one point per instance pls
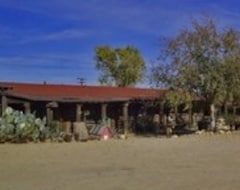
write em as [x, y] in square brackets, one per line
[63, 92]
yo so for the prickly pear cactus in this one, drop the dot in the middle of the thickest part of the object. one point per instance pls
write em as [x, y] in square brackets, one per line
[15, 126]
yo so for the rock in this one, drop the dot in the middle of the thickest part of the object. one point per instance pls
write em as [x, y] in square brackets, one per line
[221, 132]
[200, 132]
[122, 136]
[221, 124]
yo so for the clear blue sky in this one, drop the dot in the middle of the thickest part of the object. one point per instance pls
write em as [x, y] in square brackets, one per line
[54, 40]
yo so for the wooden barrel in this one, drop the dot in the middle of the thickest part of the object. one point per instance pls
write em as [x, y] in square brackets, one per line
[67, 127]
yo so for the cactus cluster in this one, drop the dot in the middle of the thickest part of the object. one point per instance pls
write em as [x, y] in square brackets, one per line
[15, 126]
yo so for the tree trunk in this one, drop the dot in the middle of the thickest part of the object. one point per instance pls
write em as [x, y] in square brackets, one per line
[234, 111]
[225, 109]
[234, 118]
[176, 111]
[190, 115]
[125, 118]
[213, 119]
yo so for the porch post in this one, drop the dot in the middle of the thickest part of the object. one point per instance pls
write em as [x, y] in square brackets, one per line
[4, 103]
[49, 115]
[103, 110]
[161, 111]
[78, 112]
[125, 118]
[27, 107]
[163, 115]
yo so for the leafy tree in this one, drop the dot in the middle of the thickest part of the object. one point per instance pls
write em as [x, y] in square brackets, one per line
[200, 60]
[120, 66]
[232, 81]
[175, 98]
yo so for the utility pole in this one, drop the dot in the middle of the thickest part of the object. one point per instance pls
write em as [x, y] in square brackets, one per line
[81, 80]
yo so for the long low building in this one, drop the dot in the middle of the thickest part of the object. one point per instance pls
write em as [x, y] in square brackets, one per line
[77, 102]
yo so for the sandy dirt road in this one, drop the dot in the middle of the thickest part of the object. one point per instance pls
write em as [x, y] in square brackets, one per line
[206, 162]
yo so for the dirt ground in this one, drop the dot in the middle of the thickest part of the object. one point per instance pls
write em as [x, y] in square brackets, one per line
[210, 162]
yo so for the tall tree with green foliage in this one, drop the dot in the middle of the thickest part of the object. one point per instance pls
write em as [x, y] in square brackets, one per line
[120, 66]
[232, 81]
[198, 59]
[176, 98]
